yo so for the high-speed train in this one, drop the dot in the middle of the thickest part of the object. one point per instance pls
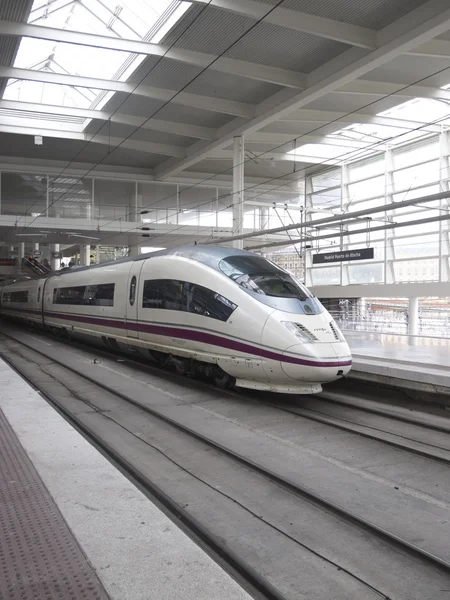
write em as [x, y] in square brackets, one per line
[224, 313]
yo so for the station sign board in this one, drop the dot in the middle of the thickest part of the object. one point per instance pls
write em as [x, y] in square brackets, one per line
[57, 255]
[37, 253]
[343, 255]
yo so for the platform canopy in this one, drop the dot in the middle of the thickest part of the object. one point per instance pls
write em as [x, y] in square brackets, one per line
[165, 85]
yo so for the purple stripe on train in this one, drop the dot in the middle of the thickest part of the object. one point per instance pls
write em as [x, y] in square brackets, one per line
[197, 336]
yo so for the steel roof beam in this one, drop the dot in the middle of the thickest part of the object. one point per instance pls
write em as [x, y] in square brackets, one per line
[366, 87]
[402, 36]
[229, 107]
[347, 33]
[183, 129]
[242, 68]
[139, 145]
[325, 116]
[344, 218]
[280, 138]
[353, 35]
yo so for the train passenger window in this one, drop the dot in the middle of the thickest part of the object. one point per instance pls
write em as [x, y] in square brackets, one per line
[101, 294]
[133, 290]
[21, 296]
[172, 294]
[69, 295]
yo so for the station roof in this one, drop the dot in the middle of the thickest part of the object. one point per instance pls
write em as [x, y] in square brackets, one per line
[164, 85]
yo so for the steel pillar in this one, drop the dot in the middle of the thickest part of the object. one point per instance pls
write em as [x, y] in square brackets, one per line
[54, 262]
[134, 251]
[413, 319]
[85, 255]
[238, 190]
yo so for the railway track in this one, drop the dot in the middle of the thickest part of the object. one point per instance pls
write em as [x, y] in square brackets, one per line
[127, 428]
[412, 430]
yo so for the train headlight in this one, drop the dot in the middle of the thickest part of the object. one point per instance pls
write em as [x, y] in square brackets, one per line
[300, 331]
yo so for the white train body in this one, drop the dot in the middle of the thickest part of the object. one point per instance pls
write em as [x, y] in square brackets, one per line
[190, 304]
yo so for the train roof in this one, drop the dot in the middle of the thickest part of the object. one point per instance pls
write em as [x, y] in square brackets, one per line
[207, 255]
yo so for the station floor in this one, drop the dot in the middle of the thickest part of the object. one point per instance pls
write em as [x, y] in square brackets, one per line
[73, 527]
[422, 366]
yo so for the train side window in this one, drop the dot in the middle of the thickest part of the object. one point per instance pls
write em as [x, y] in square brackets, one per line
[133, 290]
[21, 296]
[39, 294]
[69, 295]
[172, 294]
[101, 294]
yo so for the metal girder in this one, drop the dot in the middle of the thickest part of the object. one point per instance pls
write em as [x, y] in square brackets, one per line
[242, 68]
[384, 88]
[416, 31]
[280, 138]
[342, 218]
[347, 33]
[228, 107]
[386, 227]
[433, 49]
[184, 129]
[328, 28]
[325, 116]
[141, 146]
[269, 156]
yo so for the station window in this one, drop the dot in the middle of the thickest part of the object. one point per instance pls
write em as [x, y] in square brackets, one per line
[87, 295]
[172, 294]
[21, 296]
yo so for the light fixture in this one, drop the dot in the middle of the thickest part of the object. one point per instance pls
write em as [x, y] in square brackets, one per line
[38, 140]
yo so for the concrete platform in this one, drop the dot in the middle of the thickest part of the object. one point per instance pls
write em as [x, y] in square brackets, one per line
[391, 358]
[126, 548]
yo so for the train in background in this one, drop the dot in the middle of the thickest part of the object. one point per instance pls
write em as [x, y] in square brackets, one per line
[219, 312]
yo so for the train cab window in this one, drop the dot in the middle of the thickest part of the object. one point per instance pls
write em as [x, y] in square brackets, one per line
[172, 294]
[133, 290]
[270, 284]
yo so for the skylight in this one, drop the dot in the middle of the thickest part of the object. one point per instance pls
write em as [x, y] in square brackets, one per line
[405, 122]
[147, 20]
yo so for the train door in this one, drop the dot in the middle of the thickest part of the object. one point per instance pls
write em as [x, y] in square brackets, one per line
[132, 299]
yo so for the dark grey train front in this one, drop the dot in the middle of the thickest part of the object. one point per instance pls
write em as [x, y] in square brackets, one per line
[235, 315]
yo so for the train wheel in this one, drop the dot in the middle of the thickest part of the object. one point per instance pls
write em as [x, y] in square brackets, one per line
[223, 380]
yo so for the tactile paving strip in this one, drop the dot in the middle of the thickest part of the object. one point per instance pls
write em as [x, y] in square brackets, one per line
[39, 557]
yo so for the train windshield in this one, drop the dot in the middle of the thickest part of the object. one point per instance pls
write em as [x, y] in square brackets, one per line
[269, 284]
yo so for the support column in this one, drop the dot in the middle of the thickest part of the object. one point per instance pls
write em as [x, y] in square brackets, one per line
[263, 218]
[54, 262]
[413, 319]
[20, 256]
[238, 190]
[134, 251]
[85, 255]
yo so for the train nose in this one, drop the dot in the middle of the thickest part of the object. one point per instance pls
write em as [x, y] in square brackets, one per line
[322, 362]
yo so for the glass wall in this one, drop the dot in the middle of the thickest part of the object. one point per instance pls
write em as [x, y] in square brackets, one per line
[69, 198]
[23, 194]
[411, 243]
[114, 200]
